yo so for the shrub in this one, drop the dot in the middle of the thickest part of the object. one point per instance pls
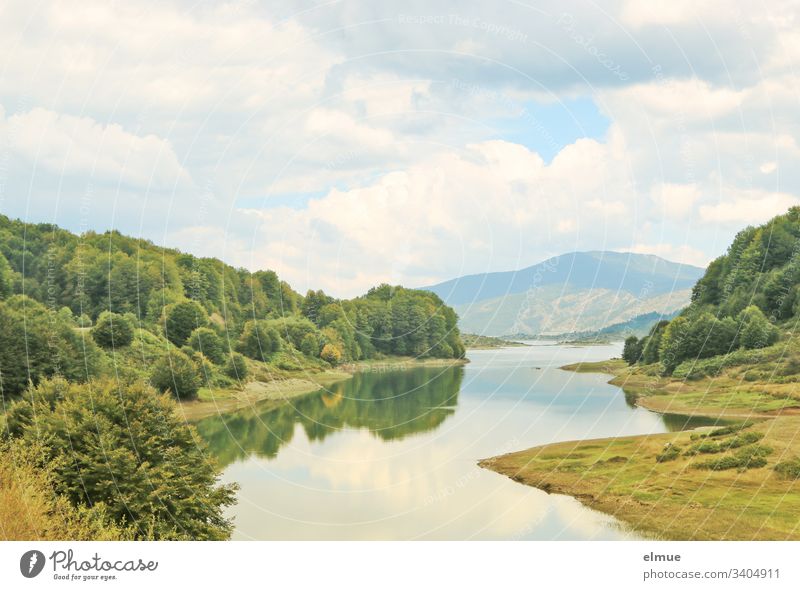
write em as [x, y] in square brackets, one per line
[36, 343]
[177, 373]
[310, 345]
[670, 453]
[127, 448]
[746, 438]
[725, 430]
[207, 341]
[705, 447]
[259, 340]
[182, 319]
[236, 367]
[331, 354]
[751, 457]
[31, 510]
[205, 368]
[789, 469]
[112, 330]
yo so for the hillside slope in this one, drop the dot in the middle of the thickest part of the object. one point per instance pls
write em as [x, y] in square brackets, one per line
[573, 292]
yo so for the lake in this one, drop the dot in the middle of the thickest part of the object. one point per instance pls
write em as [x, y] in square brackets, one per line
[392, 455]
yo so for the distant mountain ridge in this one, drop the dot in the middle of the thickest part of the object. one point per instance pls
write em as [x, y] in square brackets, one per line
[574, 292]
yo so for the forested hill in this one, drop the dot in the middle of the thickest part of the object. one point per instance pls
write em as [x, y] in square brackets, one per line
[58, 288]
[747, 299]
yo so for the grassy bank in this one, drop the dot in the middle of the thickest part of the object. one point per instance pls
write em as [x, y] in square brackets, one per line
[280, 386]
[703, 484]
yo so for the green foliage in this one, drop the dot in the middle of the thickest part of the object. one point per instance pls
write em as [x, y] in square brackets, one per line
[168, 292]
[31, 509]
[737, 303]
[175, 372]
[670, 453]
[704, 447]
[757, 331]
[260, 339]
[652, 342]
[208, 342]
[789, 469]
[6, 278]
[236, 367]
[37, 343]
[750, 457]
[124, 446]
[310, 345]
[633, 349]
[182, 319]
[112, 330]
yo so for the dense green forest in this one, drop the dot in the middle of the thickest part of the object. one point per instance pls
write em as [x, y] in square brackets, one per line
[747, 299]
[101, 332]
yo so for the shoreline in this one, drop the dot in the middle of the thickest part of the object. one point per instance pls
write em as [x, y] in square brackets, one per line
[282, 390]
[675, 499]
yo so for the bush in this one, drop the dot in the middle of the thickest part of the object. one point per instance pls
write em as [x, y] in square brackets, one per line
[207, 341]
[205, 368]
[725, 430]
[127, 448]
[757, 331]
[36, 343]
[175, 372]
[310, 345]
[112, 330]
[670, 453]
[741, 440]
[31, 510]
[705, 447]
[182, 319]
[751, 457]
[789, 469]
[259, 340]
[236, 367]
[331, 354]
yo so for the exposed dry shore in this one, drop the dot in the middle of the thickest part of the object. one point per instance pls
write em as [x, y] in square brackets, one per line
[675, 499]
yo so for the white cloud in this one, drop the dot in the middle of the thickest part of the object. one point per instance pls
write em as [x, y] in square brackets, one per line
[675, 200]
[72, 146]
[751, 210]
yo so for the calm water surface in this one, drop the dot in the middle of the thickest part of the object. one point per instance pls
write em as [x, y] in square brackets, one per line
[393, 455]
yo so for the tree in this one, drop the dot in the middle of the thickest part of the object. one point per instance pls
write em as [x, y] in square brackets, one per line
[313, 302]
[675, 344]
[37, 343]
[259, 340]
[175, 372]
[756, 331]
[331, 353]
[632, 351]
[310, 345]
[6, 278]
[236, 367]
[112, 330]
[207, 341]
[124, 446]
[182, 319]
[652, 343]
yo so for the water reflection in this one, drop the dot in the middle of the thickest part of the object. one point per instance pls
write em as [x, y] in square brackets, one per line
[393, 455]
[390, 405]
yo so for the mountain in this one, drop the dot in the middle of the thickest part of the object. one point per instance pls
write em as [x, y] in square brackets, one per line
[575, 292]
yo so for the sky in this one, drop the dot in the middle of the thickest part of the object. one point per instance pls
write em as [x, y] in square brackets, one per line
[347, 144]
